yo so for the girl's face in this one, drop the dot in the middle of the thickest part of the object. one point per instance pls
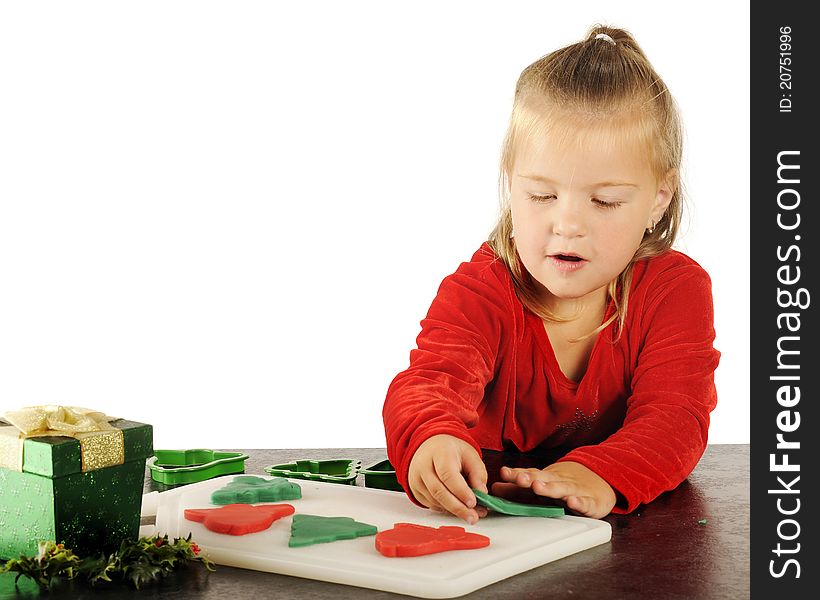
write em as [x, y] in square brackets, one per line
[579, 210]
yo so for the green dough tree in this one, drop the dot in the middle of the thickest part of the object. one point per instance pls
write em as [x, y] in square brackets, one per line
[312, 529]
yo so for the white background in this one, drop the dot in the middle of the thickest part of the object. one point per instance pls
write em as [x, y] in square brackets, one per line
[228, 219]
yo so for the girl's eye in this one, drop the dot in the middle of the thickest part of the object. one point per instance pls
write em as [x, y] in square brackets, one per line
[605, 204]
[542, 199]
[596, 201]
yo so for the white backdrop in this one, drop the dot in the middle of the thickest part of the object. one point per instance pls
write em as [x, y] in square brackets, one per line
[228, 219]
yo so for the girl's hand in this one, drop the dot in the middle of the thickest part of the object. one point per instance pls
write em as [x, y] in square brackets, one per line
[580, 489]
[436, 480]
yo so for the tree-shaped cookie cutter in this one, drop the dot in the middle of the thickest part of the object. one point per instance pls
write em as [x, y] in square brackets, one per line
[331, 471]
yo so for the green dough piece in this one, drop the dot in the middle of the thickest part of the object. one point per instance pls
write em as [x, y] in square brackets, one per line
[249, 489]
[307, 530]
[516, 508]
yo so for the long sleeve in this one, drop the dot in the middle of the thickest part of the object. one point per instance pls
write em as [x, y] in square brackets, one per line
[440, 392]
[672, 393]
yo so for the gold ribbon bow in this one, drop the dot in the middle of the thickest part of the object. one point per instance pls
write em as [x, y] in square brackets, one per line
[101, 444]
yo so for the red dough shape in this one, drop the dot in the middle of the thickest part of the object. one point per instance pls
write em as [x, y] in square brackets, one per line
[407, 539]
[239, 519]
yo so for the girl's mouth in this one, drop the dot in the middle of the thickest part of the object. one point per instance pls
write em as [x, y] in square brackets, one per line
[566, 262]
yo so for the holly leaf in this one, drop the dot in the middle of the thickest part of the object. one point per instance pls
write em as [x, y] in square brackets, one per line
[140, 572]
[97, 570]
[136, 561]
[164, 556]
[52, 564]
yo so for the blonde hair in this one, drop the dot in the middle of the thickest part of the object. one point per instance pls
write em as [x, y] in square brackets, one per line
[604, 80]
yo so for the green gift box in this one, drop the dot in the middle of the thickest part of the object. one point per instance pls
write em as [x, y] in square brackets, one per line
[60, 495]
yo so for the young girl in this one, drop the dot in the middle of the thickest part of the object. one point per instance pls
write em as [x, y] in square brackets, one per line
[576, 326]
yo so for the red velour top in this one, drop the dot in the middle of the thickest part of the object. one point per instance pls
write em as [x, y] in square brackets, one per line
[484, 371]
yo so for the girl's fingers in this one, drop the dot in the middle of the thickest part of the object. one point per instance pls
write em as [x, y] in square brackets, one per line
[587, 506]
[511, 491]
[529, 495]
[554, 489]
[508, 474]
[521, 484]
[442, 497]
[524, 477]
[579, 504]
[448, 471]
[481, 511]
[426, 499]
[420, 494]
[475, 471]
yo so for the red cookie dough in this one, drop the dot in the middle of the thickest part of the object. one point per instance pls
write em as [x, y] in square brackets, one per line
[407, 539]
[239, 519]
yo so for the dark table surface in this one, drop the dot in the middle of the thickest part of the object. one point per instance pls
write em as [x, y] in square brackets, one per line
[662, 550]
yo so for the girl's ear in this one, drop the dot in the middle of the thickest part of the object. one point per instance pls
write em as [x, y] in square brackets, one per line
[666, 190]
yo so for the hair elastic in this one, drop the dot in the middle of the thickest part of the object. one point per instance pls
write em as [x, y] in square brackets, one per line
[603, 36]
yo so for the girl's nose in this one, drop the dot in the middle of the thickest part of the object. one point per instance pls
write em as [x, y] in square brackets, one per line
[567, 222]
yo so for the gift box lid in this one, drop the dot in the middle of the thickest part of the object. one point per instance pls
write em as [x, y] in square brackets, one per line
[58, 456]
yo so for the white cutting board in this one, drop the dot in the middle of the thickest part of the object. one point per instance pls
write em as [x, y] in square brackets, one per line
[517, 544]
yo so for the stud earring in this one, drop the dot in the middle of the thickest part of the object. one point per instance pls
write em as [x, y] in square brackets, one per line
[652, 228]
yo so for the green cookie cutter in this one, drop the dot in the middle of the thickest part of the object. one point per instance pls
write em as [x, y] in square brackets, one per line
[330, 471]
[381, 475]
[178, 467]
[508, 507]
